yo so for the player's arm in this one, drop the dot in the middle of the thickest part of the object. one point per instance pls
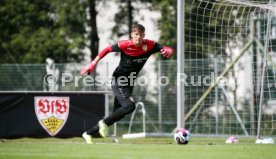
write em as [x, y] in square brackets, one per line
[166, 51]
[89, 68]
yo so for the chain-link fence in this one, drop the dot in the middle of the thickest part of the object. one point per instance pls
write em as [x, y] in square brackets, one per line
[228, 108]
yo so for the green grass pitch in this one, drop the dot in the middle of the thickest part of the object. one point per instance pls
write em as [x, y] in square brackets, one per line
[147, 148]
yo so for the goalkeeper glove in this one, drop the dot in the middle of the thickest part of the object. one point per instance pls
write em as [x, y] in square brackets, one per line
[167, 51]
[89, 68]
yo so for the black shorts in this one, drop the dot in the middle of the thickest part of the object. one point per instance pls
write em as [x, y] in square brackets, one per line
[122, 93]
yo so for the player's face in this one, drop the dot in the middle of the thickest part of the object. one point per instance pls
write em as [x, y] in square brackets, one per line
[137, 37]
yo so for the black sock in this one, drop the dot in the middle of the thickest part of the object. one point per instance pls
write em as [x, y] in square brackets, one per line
[93, 130]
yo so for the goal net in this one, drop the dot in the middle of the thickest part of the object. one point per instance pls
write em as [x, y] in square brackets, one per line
[230, 68]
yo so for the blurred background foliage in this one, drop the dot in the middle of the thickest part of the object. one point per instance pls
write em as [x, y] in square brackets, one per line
[32, 30]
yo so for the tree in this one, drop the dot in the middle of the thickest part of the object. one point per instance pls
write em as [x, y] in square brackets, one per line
[31, 31]
[121, 20]
[92, 23]
[167, 23]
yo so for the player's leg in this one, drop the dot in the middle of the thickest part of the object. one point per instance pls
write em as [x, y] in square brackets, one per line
[102, 125]
[87, 135]
[116, 106]
[87, 138]
[128, 107]
[123, 104]
[94, 130]
[100, 128]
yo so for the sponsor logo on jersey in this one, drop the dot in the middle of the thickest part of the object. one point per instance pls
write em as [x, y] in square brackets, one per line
[129, 61]
[52, 112]
[140, 60]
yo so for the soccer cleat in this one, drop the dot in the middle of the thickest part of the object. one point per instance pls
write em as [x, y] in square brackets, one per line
[102, 128]
[87, 138]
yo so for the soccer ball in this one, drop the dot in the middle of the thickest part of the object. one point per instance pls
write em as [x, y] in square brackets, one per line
[182, 136]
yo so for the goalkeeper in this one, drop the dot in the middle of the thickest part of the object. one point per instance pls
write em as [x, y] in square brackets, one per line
[134, 54]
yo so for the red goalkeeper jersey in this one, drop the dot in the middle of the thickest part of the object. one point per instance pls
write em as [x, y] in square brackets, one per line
[133, 58]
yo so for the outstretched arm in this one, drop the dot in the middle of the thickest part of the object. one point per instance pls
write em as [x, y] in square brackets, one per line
[89, 68]
[167, 51]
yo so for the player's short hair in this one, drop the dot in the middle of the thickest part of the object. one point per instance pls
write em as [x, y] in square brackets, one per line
[138, 27]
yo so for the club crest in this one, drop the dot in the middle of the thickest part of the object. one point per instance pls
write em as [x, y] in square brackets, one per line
[52, 112]
[145, 47]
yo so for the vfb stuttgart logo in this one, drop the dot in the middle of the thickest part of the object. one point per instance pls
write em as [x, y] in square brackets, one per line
[52, 112]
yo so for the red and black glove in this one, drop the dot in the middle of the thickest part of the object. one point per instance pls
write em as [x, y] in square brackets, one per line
[167, 51]
[89, 68]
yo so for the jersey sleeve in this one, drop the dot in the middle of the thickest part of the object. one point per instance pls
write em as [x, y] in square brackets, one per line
[112, 48]
[115, 48]
[105, 51]
[121, 45]
[156, 48]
